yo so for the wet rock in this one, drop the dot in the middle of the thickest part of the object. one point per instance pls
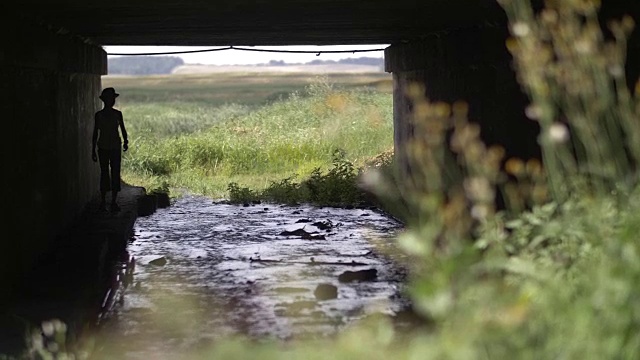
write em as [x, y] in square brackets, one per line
[326, 292]
[303, 221]
[163, 200]
[323, 225]
[361, 275]
[161, 261]
[297, 232]
[261, 261]
[147, 205]
[303, 234]
[245, 205]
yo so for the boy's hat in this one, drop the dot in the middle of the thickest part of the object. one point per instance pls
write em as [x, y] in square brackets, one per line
[109, 93]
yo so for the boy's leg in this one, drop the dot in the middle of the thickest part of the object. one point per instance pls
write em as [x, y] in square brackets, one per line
[114, 204]
[116, 160]
[105, 181]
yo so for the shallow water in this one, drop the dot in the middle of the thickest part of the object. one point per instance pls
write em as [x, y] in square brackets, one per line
[230, 271]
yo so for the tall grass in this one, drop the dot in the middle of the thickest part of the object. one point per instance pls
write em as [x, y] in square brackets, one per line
[151, 120]
[292, 137]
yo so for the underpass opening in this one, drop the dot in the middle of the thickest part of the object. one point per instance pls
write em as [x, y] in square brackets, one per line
[270, 234]
[281, 115]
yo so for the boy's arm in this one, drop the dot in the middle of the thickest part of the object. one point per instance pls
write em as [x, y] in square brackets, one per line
[94, 139]
[124, 133]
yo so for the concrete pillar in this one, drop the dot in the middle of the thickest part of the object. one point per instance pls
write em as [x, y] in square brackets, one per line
[49, 86]
[471, 65]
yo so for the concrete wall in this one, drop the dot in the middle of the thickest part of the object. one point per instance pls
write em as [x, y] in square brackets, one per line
[474, 65]
[49, 86]
[470, 65]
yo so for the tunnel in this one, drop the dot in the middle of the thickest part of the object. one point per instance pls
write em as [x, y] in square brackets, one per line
[52, 62]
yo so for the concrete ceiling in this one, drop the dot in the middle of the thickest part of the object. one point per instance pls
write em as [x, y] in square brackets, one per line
[258, 22]
[266, 22]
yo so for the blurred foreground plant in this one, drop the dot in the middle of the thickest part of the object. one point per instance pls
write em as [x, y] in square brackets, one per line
[553, 276]
[575, 77]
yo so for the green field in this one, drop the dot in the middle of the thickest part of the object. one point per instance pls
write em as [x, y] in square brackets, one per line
[216, 89]
[202, 132]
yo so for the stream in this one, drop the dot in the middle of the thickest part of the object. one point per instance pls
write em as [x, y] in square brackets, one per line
[205, 271]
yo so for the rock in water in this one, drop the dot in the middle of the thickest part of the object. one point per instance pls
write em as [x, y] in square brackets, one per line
[323, 225]
[147, 205]
[303, 234]
[326, 292]
[163, 200]
[297, 232]
[162, 261]
[361, 275]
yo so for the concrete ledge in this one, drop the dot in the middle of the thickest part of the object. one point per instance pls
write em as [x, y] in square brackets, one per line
[71, 280]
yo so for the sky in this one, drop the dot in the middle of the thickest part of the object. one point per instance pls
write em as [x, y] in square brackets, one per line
[237, 57]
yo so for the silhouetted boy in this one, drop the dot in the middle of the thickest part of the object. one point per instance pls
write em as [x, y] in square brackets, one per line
[107, 138]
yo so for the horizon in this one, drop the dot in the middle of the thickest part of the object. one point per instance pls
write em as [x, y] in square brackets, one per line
[238, 57]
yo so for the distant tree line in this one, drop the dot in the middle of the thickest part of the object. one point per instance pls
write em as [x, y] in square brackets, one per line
[351, 61]
[158, 65]
[371, 61]
[144, 65]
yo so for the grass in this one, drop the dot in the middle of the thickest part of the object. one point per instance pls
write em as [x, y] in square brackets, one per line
[204, 147]
[216, 89]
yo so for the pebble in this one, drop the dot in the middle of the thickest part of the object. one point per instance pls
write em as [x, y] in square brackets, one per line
[326, 292]
[361, 275]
